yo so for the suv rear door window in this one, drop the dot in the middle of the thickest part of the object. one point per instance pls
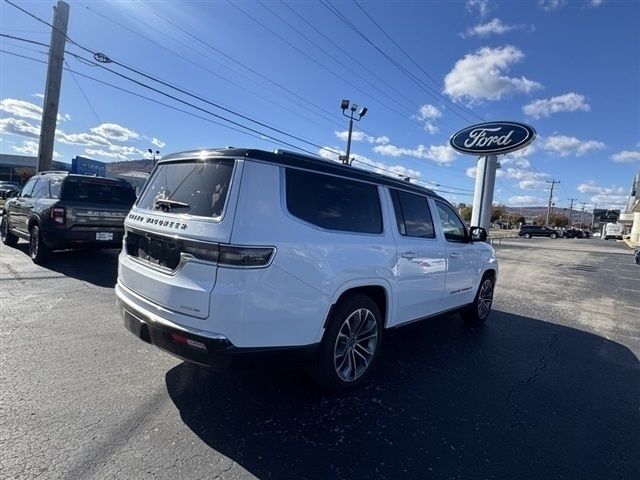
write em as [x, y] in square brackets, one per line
[93, 190]
[412, 215]
[28, 188]
[195, 187]
[333, 203]
[41, 190]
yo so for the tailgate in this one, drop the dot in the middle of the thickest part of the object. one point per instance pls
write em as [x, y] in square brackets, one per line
[84, 216]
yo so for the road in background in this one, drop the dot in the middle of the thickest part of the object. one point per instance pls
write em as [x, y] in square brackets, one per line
[549, 388]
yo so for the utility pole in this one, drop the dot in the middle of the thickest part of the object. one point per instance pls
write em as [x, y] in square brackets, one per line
[352, 110]
[593, 215]
[582, 213]
[553, 184]
[571, 210]
[52, 88]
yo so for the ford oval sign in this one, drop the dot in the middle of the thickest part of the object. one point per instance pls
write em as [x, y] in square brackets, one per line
[492, 138]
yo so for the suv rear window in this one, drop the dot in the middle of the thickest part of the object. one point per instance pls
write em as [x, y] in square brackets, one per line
[93, 190]
[195, 187]
[333, 203]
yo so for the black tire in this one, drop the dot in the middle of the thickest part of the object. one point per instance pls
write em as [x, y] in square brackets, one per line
[8, 238]
[334, 370]
[527, 235]
[38, 251]
[553, 235]
[478, 312]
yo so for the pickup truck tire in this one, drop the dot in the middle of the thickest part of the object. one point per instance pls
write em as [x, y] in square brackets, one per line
[478, 312]
[350, 344]
[8, 238]
[38, 251]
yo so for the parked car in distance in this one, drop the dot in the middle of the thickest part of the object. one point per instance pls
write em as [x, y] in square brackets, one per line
[636, 256]
[528, 231]
[612, 230]
[7, 190]
[572, 233]
[58, 210]
[233, 256]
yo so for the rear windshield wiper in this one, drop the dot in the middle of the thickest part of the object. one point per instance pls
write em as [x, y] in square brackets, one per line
[165, 203]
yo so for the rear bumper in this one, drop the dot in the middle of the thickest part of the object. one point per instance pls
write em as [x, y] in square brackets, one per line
[214, 351]
[76, 238]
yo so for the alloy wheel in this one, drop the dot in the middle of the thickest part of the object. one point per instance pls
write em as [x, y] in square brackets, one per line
[355, 345]
[485, 298]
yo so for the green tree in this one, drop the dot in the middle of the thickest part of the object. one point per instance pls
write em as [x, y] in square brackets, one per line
[465, 213]
[558, 220]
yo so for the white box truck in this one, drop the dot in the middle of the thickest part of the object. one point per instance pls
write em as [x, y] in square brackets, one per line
[612, 230]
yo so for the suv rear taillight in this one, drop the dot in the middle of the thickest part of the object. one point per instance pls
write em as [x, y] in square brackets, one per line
[247, 257]
[231, 255]
[59, 215]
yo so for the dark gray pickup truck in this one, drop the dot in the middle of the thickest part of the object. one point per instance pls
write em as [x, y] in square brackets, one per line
[58, 210]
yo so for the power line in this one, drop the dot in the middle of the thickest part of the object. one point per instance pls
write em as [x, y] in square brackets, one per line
[218, 75]
[437, 84]
[312, 59]
[426, 88]
[158, 102]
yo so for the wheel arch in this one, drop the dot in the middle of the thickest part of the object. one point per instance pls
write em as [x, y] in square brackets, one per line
[378, 292]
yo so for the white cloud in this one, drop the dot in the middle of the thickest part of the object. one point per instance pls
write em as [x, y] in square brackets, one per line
[626, 156]
[427, 114]
[38, 95]
[17, 126]
[481, 7]
[612, 196]
[113, 131]
[83, 139]
[551, 5]
[595, 3]
[471, 172]
[359, 136]
[569, 102]
[482, 76]
[158, 143]
[441, 154]
[24, 109]
[368, 164]
[492, 27]
[564, 146]
[527, 200]
[30, 147]
[532, 184]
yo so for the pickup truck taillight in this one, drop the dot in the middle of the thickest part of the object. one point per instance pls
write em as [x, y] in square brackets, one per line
[59, 215]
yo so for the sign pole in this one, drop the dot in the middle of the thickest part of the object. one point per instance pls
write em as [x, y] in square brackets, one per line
[483, 193]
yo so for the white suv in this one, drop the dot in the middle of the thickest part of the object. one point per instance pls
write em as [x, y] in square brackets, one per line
[235, 256]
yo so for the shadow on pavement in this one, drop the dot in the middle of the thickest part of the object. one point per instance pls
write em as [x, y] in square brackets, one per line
[521, 398]
[98, 267]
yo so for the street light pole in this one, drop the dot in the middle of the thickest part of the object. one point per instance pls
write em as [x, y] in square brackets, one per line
[352, 107]
[153, 155]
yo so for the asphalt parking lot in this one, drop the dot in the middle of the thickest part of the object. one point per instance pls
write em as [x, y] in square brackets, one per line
[549, 388]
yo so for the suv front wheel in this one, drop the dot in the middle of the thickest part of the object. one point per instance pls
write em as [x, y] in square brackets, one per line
[350, 344]
[8, 238]
[38, 251]
[477, 313]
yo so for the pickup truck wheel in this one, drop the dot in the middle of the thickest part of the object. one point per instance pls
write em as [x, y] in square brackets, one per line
[527, 235]
[38, 251]
[350, 344]
[477, 313]
[8, 238]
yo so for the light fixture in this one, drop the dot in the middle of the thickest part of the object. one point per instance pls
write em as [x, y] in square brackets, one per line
[363, 112]
[344, 105]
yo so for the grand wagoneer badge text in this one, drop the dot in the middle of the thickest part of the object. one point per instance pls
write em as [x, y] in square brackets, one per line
[157, 221]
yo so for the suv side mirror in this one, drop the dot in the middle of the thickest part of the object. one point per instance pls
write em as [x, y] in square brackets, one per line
[478, 234]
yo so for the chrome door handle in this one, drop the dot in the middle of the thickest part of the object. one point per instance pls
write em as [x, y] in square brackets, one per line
[454, 255]
[409, 255]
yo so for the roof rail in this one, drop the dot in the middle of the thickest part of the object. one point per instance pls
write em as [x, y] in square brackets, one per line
[52, 171]
[279, 151]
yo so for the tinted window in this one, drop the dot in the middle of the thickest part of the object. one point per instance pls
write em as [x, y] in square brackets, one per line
[28, 188]
[412, 215]
[41, 190]
[193, 187]
[454, 229]
[92, 190]
[333, 203]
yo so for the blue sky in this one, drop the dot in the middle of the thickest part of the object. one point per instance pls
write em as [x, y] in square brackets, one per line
[569, 68]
